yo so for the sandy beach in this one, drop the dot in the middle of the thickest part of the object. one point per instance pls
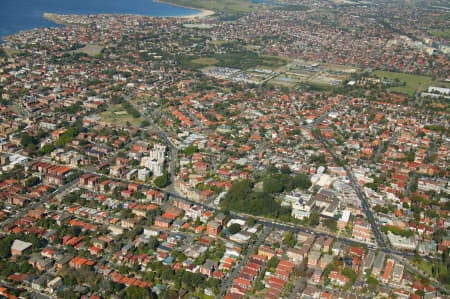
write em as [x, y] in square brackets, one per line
[202, 14]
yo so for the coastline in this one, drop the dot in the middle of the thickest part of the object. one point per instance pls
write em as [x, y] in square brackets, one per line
[202, 14]
[55, 17]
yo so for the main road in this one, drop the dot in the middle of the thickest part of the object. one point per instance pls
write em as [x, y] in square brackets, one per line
[400, 256]
[361, 196]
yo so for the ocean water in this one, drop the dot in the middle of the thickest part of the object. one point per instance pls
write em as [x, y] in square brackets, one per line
[19, 15]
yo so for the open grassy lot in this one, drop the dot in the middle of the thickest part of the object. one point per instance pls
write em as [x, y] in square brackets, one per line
[412, 82]
[229, 7]
[205, 61]
[90, 49]
[445, 33]
[243, 61]
[115, 114]
[273, 62]
[11, 51]
[426, 266]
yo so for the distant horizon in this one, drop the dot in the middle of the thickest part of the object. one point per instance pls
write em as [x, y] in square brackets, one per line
[22, 15]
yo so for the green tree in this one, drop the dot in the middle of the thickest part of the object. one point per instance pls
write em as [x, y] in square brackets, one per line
[5, 245]
[46, 149]
[26, 140]
[66, 137]
[115, 99]
[373, 283]
[331, 224]
[349, 273]
[285, 169]
[163, 180]
[314, 219]
[32, 181]
[272, 185]
[290, 239]
[273, 262]
[189, 150]
[132, 292]
[439, 235]
[234, 228]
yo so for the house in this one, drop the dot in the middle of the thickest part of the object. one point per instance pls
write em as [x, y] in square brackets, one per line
[99, 243]
[84, 179]
[18, 200]
[266, 251]
[338, 279]
[129, 223]
[417, 286]
[39, 282]
[220, 218]
[284, 270]
[55, 284]
[357, 251]
[43, 264]
[94, 250]
[318, 244]
[163, 222]
[48, 253]
[295, 255]
[243, 283]
[116, 230]
[63, 261]
[317, 275]
[78, 262]
[181, 204]
[213, 228]
[387, 271]
[327, 245]
[313, 259]
[18, 247]
[208, 267]
[430, 292]
[361, 231]
[311, 292]
[325, 260]
[155, 196]
[143, 174]
[151, 232]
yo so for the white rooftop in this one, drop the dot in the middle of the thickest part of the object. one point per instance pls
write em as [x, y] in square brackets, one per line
[20, 245]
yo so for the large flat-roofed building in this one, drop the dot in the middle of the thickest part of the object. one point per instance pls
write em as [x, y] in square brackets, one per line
[378, 264]
[387, 271]
[361, 231]
[343, 221]
[18, 247]
[397, 273]
[369, 260]
[400, 242]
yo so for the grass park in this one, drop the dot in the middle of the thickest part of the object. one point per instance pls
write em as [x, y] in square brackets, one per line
[445, 33]
[412, 83]
[116, 114]
[427, 267]
[205, 61]
[243, 61]
[227, 8]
